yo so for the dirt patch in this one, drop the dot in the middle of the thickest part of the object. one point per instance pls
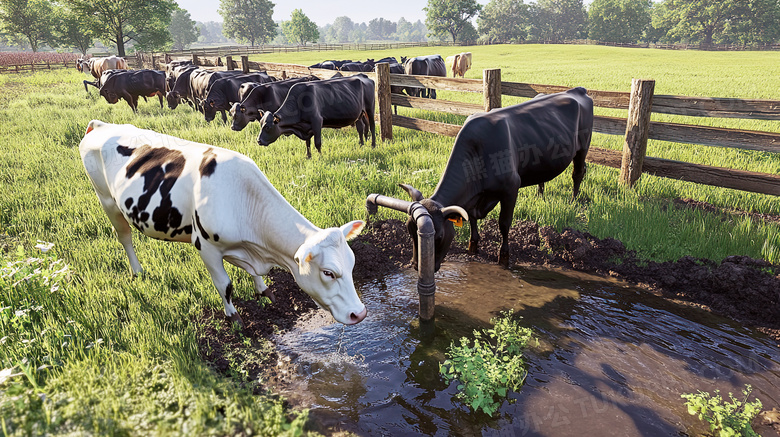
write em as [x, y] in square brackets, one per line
[725, 212]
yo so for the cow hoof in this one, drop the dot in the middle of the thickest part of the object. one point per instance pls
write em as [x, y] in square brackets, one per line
[235, 321]
[473, 247]
[270, 295]
[503, 260]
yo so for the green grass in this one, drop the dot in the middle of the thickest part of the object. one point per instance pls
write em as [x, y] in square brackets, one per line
[145, 377]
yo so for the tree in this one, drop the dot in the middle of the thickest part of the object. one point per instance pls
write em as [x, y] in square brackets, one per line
[182, 29]
[119, 22]
[449, 16]
[248, 20]
[379, 28]
[558, 20]
[341, 29]
[31, 20]
[707, 20]
[74, 30]
[300, 29]
[504, 21]
[622, 21]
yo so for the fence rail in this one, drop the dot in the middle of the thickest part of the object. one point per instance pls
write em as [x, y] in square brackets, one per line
[36, 66]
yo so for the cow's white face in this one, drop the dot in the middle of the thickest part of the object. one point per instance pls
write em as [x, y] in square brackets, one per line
[325, 263]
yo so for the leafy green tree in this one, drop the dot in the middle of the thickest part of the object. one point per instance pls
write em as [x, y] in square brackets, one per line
[659, 26]
[379, 28]
[558, 20]
[340, 30]
[31, 20]
[702, 20]
[411, 32]
[74, 31]
[449, 16]
[621, 21]
[504, 21]
[118, 22]
[182, 29]
[300, 29]
[248, 20]
[761, 25]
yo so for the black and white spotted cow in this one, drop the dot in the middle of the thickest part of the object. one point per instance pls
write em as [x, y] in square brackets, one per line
[219, 201]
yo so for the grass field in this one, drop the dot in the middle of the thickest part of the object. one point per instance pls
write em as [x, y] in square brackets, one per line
[107, 354]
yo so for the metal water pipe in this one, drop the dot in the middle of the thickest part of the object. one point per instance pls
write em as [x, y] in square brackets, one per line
[426, 284]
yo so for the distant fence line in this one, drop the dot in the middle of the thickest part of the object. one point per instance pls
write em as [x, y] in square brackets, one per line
[636, 128]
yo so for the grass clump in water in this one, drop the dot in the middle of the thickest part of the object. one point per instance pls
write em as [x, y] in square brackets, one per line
[492, 366]
[725, 419]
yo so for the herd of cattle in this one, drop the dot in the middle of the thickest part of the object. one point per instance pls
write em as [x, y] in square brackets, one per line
[220, 201]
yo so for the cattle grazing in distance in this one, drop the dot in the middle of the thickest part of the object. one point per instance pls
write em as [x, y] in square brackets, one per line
[224, 92]
[330, 65]
[96, 67]
[258, 98]
[172, 71]
[498, 152]
[432, 65]
[131, 84]
[181, 89]
[395, 68]
[311, 106]
[365, 67]
[220, 202]
[201, 81]
[459, 64]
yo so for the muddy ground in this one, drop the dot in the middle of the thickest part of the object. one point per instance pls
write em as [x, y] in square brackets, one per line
[744, 289]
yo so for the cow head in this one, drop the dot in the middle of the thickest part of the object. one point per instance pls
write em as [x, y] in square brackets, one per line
[173, 98]
[109, 94]
[269, 129]
[209, 109]
[325, 262]
[242, 115]
[442, 217]
[80, 65]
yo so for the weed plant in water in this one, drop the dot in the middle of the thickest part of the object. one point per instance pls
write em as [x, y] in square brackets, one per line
[492, 366]
[725, 419]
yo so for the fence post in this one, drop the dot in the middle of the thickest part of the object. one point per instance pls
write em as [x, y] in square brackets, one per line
[245, 63]
[383, 100]
[229, 62]
[491, 88]
[637, 128]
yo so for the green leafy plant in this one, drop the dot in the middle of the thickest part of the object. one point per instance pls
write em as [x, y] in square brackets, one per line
[727, 419]
[492, 366]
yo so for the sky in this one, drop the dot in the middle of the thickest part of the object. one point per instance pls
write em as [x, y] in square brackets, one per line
[322, 11]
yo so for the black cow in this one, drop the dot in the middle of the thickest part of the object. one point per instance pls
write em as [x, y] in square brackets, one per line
[223, 93]
[498, 152]
[258, 98]
[181, 89]
[358, 66]
[172, 71]
[310, 106]
[202, 80]
[432, 65]
[330, 65]
[131, 84]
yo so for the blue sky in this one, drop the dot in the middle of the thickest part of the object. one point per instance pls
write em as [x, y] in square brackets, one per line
[321, 11]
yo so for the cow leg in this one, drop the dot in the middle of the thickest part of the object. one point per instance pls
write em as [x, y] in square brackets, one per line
[224, 117]
[160, 96]
[474, 242]
[360, 128]
[123, 233]
[371, 126]
[308, 148]
[579, 171]
[318, 140]
[262, 289]
[432, 93]
[212, 258]
[541, 189]
[505, 222]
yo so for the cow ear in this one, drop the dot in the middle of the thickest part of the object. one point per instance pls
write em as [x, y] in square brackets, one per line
[276, 119]
[414, 193]
[352, 229]
[211, 103]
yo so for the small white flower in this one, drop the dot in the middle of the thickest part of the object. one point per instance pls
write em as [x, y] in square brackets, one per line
[44, 246]
[7, 374]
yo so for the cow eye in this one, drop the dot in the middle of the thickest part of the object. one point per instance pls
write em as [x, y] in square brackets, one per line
[243, 109]
[329, 274]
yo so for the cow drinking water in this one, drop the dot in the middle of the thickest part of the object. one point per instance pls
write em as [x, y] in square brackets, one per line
[219, 201]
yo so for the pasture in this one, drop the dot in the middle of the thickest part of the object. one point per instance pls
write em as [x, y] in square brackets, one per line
[107, 354]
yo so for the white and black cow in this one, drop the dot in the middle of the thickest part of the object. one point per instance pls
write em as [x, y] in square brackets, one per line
[311, 106]
[219, 201]
[498, 152]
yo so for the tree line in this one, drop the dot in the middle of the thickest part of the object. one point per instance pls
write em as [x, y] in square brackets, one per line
[155, 25]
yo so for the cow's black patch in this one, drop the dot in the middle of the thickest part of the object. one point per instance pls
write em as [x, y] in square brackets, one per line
[200, 226]
[160, 168]
[229, 292]
[186, 230]
[124, 151]
[216, 237]
[197, 243]
[128, 202]
[209, 163]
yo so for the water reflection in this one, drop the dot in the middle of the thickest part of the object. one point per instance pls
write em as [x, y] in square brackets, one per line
[613, 360]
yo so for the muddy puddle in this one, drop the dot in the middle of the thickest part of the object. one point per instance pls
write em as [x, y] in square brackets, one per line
[612, 360]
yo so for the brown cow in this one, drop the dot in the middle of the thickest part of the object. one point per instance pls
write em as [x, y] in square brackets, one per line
[97, 66]
[461, 64]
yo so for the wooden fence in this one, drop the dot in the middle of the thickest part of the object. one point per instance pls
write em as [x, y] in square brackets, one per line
[37, 66]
